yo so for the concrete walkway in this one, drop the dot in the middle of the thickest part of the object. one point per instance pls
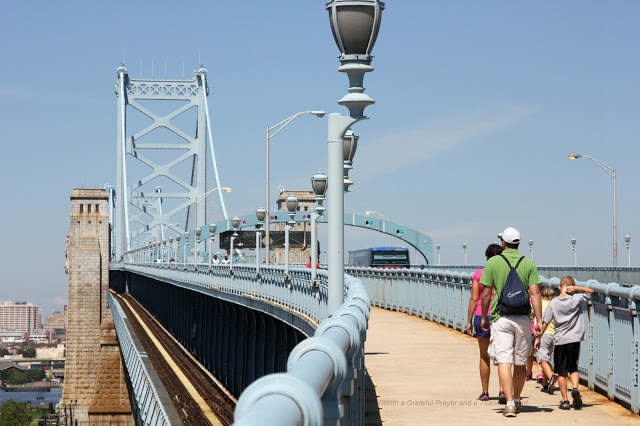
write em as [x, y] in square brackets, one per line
[424, 373]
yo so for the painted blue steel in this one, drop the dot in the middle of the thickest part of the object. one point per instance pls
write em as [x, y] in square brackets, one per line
[324, 383]
[150, 408]
[609, 359]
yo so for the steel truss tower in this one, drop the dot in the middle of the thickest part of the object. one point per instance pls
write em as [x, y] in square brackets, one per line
[139, 214]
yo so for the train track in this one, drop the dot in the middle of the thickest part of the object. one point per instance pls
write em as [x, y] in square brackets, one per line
[212, 405]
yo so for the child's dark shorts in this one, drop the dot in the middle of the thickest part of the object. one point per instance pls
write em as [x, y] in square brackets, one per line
[565, 358]
[477, 325]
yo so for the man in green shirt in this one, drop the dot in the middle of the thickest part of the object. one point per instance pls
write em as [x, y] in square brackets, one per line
[511, 338]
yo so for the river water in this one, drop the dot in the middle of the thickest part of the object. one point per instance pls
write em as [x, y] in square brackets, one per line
[52, 396]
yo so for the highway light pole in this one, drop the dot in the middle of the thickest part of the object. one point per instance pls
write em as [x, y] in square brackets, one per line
[277, 127]
[611, 171]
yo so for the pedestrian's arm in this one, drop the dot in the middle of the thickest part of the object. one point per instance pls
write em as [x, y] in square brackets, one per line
[473, 302]
[572, 289]
[486, 301]
[536, 302]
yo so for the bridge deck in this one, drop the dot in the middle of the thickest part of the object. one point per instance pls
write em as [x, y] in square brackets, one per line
[427, 373]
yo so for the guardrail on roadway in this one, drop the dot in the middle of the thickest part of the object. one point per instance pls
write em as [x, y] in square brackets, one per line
[609, 358]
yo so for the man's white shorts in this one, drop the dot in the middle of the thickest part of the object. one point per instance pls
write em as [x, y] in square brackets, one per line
[511, 340]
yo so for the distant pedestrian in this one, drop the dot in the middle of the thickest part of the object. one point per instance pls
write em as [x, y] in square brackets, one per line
[215, 260]
[566, 310]
[225, 261]
[513, 277]
[309, 265]
[474, 323]
[544, 349]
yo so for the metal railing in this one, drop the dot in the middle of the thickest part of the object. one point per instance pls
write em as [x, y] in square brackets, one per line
[150, 409]
[324, 382]
[610, 355]
[296, 293]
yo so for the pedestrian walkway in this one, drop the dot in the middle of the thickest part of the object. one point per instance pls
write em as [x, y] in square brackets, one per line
[425, 373]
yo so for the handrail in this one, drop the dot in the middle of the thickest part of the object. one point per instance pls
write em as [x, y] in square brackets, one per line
[610, 356]
[150, 408]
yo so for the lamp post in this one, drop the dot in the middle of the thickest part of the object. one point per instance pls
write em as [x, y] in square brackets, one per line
[261, 214]
[319, 185]
[627, 242]
[531, 249]
[438, 249]
[355, 25]
[212, 235]
[383, 225]
[611, 171]
[464, 251]
[177, 247]
[184, 251]
[195, 246]
[159, 191]
[292, 206]
[164, 250]
[235, 222]
[575, 256]
[171, 251]
[277, 127]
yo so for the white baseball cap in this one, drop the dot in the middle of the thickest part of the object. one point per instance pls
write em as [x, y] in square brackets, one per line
[511, 236]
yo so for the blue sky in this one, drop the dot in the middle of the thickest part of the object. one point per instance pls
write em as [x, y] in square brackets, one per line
[478, 105]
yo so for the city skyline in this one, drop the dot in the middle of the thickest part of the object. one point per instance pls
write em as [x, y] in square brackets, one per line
[478, 108]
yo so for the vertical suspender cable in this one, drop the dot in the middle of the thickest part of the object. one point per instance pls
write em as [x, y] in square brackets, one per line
[124, 162]
[210, 137]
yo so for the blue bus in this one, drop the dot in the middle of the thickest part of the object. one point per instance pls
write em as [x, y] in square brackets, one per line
[380, 257]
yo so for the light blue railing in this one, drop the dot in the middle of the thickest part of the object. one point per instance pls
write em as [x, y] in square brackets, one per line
[324, 382]
[609, 358]
[297, 293]
[150, 409]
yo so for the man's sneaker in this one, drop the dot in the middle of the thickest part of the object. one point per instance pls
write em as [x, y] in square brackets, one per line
[518, 406]
[564, 405]
[502, 399]
[577, 399]
[509, 410]
[551, 388]
[484, 396]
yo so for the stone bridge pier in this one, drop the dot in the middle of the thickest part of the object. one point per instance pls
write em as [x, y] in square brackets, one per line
[95, 388]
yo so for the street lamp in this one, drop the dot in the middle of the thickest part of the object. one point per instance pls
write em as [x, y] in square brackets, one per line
[531, 249]
[212, 236]
[350, 146]
[177, 247]
[319, 185]
[277, 127]
[611, 171]
[261, 214]
[383, 225]
[292, 206]
[235, 222]
[195, 246]
[355, 25]
[202, 197]
[171, 250]
[464, 251]
[184, 251]
[159, 191]
[627, 242]
[575, 256]
[438, 249]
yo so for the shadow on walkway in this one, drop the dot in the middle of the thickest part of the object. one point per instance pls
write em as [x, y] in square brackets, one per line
[372, 410]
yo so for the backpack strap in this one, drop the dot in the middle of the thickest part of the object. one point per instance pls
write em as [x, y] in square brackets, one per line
[512, 267]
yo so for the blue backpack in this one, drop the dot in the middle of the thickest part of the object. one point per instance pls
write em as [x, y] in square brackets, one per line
[514, 299]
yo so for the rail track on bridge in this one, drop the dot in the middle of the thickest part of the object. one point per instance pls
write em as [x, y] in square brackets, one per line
[215, 406]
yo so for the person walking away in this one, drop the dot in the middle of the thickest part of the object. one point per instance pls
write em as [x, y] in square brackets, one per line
[474, 324]
[566, 310]
[514, 280]
[544, 349]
